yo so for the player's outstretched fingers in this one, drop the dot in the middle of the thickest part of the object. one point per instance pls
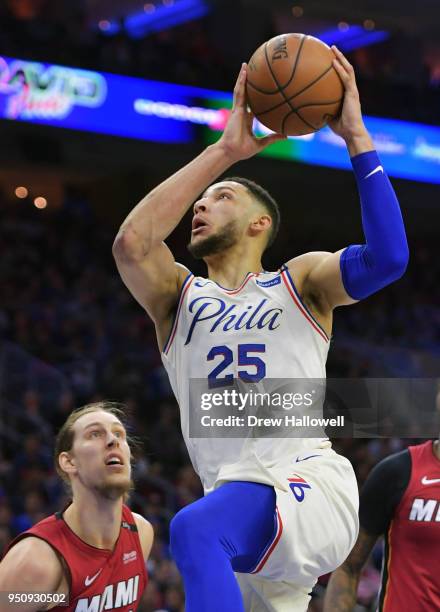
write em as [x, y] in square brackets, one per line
[344, 76]
[344, 69]
[342, 59]
[239, 100]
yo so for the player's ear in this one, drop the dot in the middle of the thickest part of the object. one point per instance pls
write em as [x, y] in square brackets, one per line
[67, 462]
[259, 224]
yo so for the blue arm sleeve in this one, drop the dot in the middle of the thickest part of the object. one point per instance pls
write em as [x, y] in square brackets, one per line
[383, 259]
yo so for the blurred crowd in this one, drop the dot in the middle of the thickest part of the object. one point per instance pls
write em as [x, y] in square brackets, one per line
[70, 333]
[399, 77]
[61, 33]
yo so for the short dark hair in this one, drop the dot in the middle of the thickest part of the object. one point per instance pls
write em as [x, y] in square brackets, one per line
[265, 199]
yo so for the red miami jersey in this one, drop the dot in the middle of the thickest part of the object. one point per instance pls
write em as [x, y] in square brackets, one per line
[98, 579]
[411, 572]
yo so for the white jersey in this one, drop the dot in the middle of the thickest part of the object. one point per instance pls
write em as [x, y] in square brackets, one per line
[261, 329]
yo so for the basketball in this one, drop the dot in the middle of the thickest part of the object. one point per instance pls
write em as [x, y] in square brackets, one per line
[292, 86]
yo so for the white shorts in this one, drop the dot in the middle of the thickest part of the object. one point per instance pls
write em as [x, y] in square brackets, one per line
[264, 595]
[317, 513]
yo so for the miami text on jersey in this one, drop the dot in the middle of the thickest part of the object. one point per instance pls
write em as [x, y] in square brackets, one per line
[424, 510]
[114, 596]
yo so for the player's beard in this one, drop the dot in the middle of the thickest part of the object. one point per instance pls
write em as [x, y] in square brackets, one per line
[216, 243]
[115, 490]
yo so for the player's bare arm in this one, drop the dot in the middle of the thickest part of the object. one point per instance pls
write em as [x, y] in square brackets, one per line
[146, 534]
[31, 566]
[145, 263]
[319, 275]
[342, 587]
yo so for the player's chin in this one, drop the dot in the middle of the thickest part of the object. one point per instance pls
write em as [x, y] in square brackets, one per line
[123, 474]
[196, 246]
[113, 488]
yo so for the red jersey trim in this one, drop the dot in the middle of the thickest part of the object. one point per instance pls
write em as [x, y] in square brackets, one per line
[248, 276]
[186, 284]
[271, 548]
[288, 281]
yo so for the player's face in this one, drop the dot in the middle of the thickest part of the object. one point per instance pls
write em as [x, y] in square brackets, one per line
[101, 454]
[220, 218]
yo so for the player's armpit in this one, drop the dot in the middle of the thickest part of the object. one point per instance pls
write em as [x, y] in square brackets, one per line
[146, 534]
[342, 587]
[153, 278]
[30, 566]
[324, 281]
[318, 281]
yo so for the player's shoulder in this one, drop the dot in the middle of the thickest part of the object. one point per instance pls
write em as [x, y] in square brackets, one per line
[383, 490]
[146, 533]
[299, 267]
[183, 274]
[391, 472]
[395, 463]
[141, 522]
[31, 561]
[306, 260]
[304, 263]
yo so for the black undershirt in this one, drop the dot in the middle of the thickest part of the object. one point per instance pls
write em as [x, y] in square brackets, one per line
[382, 492]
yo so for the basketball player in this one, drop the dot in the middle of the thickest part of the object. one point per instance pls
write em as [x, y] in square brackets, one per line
[92, 555]
[277, 513]
[401, 501]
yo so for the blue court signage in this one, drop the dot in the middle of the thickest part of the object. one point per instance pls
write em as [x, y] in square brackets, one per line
[130, 107]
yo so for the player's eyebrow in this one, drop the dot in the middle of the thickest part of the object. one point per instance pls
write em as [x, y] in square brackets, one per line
[97, 423]
[220, 188]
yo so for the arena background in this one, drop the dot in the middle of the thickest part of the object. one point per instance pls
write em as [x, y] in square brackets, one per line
[70, 333]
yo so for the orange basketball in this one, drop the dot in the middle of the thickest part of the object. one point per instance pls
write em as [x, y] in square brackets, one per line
[292, 86]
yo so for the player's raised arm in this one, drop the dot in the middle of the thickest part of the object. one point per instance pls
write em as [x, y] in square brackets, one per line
[356, 272]
[30, 566]
[144, 261]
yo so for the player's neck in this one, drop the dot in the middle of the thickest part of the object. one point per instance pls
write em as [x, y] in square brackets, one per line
[436, 448]
[229, 270]
[95, 520]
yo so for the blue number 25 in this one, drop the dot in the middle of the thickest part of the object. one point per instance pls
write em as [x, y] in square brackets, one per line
[244, 359]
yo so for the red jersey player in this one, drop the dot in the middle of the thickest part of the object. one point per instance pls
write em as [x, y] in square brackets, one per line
[92, 555]
[400, 500]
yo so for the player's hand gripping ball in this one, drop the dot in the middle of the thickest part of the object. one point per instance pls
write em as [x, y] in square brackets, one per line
[292, 86]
